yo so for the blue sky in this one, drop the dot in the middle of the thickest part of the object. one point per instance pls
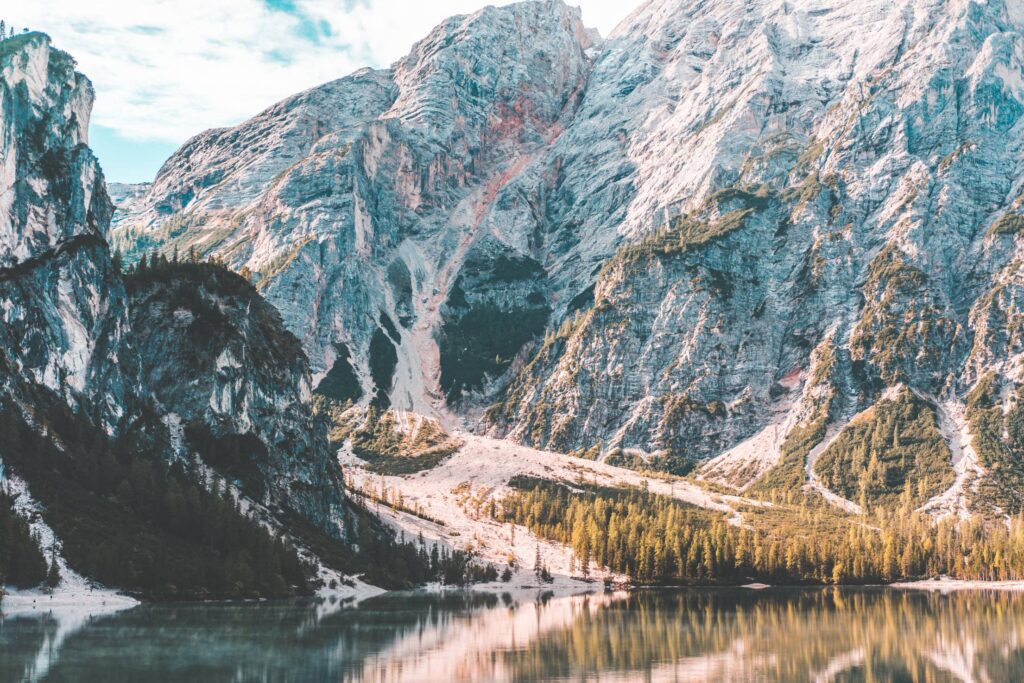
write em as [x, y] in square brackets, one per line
[165, 70]
[128, 160]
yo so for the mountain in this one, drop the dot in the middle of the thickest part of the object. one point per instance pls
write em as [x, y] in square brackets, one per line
[728, 231]
[353, 202]
[234, 385]
[65, 316]
[158, 424]
[771, 248]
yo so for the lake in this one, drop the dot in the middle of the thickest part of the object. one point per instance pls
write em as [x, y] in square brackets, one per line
[649, 635]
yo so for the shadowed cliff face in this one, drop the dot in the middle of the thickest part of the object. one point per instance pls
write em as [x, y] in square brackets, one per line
[193, 347]
[748, 221]
[235, 384]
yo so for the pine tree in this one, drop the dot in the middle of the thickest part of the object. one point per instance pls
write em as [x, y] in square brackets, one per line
[53, 575]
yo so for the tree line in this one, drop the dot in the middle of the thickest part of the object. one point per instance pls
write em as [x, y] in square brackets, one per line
[22, 563]
[657, 539]
[8, 31]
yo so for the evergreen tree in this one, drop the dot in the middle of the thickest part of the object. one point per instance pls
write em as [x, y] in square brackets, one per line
[22, 563]
[53, 575]
[657, 539]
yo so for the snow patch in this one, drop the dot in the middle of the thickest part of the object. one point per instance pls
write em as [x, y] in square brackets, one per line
[75, 592]
[457, 493]
[945, 584]
[226, 359]
[744, 463]
[815, 483]
[177, 433]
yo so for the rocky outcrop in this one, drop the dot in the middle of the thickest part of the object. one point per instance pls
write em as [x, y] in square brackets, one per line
[234, 385]
[190, 345]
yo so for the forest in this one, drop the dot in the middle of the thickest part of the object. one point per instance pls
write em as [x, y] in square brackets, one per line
[174, 529]
[158, 530]
[659, 540]
[168, 531]
[22, 563]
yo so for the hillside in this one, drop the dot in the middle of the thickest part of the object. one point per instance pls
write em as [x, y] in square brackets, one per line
[729, 294]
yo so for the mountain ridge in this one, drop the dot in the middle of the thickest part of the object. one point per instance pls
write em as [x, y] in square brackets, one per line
[738, 219]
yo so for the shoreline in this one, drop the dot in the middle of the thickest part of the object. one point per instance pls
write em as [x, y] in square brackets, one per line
[19, 602]
[34, 601]
[945, 584]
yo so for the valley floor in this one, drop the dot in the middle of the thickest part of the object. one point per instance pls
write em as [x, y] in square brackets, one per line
[448, 504]
[449, 507]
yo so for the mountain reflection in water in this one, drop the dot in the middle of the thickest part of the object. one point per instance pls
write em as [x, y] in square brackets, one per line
[683, 635]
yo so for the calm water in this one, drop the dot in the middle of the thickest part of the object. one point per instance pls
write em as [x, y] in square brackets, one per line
[707, 635]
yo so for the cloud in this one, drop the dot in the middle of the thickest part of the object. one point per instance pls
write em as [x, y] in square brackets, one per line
[167, 69]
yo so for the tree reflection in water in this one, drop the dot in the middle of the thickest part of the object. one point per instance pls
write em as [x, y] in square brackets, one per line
[683, 635]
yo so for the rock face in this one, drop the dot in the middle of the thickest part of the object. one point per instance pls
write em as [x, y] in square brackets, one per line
[358, 203]
[234, 383]
[193, 343]
[728, 223]
[63, 307]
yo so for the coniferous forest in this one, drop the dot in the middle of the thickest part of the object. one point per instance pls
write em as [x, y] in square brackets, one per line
[658, 540]
[22, 564]
[156, 529]
[166, 531]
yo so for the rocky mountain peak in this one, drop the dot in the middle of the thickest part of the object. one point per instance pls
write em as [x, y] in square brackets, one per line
[726, 220]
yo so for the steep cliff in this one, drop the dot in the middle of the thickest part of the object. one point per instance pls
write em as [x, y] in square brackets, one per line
[64, 313]
[234, 386]
[125, 412]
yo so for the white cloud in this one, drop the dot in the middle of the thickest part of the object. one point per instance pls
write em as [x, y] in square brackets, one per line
[167, 69]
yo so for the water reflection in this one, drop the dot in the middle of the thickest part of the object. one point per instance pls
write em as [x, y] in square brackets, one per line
[719, 635]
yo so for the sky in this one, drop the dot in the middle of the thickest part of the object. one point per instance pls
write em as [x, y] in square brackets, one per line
[165, 70]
